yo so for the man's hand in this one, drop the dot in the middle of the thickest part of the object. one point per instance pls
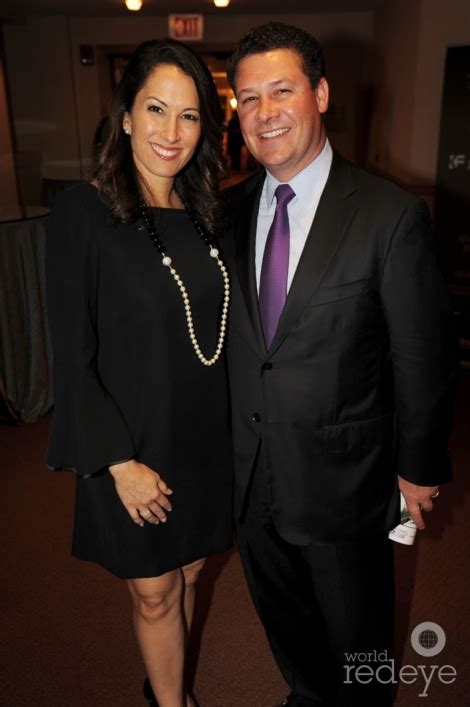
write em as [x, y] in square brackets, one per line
[418, 498]
[142, 492]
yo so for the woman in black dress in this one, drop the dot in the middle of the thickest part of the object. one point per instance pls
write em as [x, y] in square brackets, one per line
[137, 300]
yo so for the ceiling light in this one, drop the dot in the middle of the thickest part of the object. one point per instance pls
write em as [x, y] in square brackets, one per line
[133, 5]
[221, 3]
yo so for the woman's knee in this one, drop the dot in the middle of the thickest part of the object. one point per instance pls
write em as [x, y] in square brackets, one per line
[156, 598]
[191, 572]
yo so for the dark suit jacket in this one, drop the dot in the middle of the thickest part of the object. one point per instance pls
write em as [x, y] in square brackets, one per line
[358, 383]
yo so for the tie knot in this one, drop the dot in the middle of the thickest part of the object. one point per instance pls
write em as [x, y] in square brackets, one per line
[284, 193]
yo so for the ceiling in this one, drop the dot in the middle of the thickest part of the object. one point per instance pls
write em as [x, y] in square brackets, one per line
[116, 8]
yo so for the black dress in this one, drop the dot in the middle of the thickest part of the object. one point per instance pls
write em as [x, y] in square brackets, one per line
[127, 383]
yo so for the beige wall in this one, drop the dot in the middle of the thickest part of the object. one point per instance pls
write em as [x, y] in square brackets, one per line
[411, 39]
[443, 24]
[9, 201]
[40, 79]
[397, 28]
[56, 102]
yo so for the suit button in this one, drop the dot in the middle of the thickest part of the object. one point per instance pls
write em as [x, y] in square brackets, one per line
[256, 417]
[267, 366]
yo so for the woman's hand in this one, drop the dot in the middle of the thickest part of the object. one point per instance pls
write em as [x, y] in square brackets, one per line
[142, 492]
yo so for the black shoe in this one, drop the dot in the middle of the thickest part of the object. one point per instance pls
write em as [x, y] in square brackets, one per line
[288, 701]
[295, 700]
[148, 693]
[150, 697]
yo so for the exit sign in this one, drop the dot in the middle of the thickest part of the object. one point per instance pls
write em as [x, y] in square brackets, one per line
[186, 27]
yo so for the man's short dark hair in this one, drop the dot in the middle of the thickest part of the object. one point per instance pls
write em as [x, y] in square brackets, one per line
[277, 35]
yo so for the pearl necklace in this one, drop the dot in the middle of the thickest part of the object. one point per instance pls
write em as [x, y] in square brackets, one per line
[167, 262]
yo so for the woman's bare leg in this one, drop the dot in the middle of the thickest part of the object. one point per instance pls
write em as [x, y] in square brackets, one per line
[190, 576]
[160, 630]
[191, 573]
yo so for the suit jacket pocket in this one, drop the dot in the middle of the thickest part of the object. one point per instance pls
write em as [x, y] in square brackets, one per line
[326, 295]
[361, 434]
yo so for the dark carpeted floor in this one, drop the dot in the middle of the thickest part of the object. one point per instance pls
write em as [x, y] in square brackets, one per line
[66, 626]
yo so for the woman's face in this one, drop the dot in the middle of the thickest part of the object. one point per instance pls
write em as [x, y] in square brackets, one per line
[164, 124]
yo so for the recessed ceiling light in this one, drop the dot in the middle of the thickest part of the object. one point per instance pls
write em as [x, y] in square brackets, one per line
[133, 5]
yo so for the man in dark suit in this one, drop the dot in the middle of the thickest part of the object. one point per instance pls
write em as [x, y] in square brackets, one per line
[342, 365]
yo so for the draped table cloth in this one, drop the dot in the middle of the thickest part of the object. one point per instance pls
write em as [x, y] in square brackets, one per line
[25, 349]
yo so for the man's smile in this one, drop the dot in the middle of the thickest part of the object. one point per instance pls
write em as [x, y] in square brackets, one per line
[273, 133]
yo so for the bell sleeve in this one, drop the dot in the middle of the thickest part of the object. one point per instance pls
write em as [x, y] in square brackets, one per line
[88, 432]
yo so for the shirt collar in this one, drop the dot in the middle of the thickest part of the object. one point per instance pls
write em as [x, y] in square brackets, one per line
[304, 183]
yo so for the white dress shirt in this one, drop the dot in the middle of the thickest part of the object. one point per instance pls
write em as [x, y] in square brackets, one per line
[308, 186]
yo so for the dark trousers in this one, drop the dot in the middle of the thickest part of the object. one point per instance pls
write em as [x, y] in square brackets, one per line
[327, 608]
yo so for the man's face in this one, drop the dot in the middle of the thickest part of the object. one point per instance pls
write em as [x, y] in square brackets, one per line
[280, 113]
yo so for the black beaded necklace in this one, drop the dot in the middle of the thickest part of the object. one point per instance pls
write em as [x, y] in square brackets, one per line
[167, 262]
[155, 238]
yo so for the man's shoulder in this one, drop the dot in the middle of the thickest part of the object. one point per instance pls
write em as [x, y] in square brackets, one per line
[378, 190]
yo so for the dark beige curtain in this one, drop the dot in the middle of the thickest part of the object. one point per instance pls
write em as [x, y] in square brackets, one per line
[25, 349]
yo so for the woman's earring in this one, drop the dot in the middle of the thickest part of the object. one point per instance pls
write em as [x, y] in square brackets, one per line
[127, 131]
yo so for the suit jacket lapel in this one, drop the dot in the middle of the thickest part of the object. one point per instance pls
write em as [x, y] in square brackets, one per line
[245, 242]
[334, 213]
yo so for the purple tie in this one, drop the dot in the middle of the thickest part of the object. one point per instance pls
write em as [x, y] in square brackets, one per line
[273, 280]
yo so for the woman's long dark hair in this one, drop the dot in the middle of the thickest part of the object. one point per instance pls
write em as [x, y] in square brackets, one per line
[198, 183]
